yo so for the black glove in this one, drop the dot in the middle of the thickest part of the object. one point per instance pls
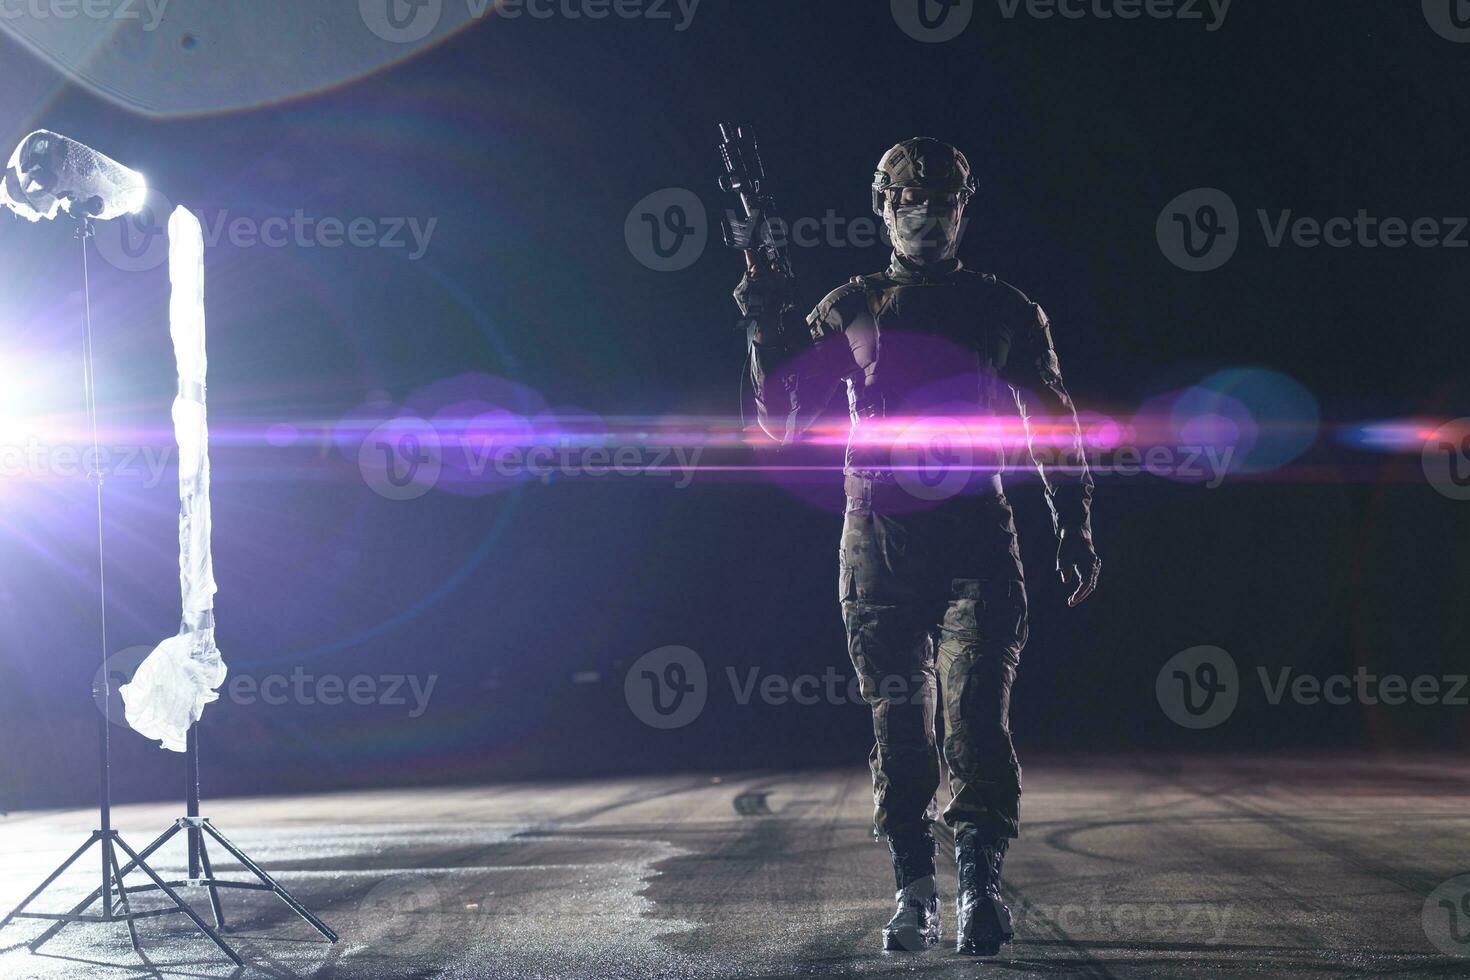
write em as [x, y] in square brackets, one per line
[761, 295]
[743, 233]
[1077, 563]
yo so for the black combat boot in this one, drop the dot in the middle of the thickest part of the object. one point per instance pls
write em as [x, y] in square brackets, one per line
[915, 922]
[983, 921]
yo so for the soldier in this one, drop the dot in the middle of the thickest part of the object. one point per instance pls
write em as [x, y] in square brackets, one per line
[929, 593]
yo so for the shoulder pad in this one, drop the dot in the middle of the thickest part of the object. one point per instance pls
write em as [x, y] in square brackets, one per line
[1011, 300]
[842, 305]
[1004, 291]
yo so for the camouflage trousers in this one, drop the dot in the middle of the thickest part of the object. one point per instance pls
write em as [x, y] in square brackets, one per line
[935, 608]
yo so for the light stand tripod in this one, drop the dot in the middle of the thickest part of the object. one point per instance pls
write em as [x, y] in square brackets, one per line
[196, 827]
[201, 870]
[109, 839]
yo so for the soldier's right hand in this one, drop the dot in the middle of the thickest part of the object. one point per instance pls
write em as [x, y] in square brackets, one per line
[1077, 563]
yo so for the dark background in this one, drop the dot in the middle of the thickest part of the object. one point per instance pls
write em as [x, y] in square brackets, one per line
[529, 142]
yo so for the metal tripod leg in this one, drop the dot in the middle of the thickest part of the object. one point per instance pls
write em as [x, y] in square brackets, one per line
[214, 905]
[256, 870]
[122, 897]
[113, 873]
[174, 897]
[54, 875]
[81, 906]
[199, 869]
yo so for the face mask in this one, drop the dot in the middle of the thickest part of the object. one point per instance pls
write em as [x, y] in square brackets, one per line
[924, 231]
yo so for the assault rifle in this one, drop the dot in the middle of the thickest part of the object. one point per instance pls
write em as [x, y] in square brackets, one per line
[745, 177]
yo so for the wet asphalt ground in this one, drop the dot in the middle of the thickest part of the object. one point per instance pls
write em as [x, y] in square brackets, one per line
[1146, 868]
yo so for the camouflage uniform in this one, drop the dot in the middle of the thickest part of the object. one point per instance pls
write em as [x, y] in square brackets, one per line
[931, 591]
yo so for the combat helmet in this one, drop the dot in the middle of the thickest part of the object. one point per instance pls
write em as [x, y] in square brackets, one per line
[922, 162]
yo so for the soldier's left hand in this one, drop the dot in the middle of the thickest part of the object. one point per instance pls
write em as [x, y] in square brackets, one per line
[760, 294]
[1077, 564]
[743, 233]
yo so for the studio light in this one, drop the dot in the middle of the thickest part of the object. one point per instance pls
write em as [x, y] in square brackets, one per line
[49, 173]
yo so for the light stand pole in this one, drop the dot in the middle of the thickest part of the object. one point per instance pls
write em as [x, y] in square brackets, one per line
[109, 839]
